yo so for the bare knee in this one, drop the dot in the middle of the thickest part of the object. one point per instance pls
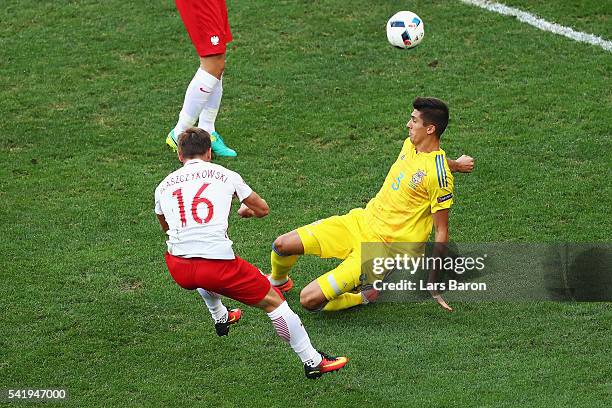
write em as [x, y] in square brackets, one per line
[213, 64]
[311, 300]
[289, 244]
[280, 244]
[271, 301]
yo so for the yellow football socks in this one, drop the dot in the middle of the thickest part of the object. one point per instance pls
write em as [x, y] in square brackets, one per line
[281, 265]
[344, 301]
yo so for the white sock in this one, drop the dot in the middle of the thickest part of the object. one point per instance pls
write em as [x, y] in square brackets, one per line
[216, 308]
[198, 92]
[289, 327]
[277, 282]
[209, 113]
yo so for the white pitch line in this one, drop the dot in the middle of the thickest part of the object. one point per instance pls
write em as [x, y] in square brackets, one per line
[542, 24]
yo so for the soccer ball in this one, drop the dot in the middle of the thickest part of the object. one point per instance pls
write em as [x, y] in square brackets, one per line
[405, 30]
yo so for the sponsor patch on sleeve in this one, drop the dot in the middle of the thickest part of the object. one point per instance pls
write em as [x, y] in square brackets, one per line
[445, 198]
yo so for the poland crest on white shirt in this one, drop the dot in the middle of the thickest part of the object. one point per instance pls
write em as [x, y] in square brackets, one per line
[196, 200]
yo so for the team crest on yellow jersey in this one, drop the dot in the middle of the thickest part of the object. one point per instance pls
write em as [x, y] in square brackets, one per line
[416, 179]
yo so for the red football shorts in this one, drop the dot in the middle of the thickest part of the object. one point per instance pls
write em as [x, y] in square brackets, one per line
[234, 278]
[207, 25]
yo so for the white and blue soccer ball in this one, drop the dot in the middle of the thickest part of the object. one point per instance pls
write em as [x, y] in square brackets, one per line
[405, 30]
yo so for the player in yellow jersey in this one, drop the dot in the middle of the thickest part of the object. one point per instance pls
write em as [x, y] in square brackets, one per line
[416, 195]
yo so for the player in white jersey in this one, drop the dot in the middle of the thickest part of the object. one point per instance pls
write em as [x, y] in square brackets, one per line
[193, 205]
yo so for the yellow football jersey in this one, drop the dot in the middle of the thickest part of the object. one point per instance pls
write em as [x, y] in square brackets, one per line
[417, 186]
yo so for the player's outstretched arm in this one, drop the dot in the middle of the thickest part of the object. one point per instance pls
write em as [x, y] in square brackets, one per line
[463, 164]
[440, 219]
[253, 206]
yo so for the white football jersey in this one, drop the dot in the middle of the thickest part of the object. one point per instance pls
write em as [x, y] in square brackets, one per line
[196, 200]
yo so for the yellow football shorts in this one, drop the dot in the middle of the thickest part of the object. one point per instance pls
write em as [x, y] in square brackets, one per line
[339, 237]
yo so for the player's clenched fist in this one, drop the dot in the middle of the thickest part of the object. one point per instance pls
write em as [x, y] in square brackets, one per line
[245, 212]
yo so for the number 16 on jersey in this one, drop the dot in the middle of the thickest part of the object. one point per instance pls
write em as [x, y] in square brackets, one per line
[197, 200]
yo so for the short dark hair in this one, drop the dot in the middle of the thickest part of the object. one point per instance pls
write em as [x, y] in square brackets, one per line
[193, 142]
[433, 112]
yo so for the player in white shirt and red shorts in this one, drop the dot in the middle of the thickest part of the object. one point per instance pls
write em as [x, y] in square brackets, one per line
[193, 205]
[208, 27]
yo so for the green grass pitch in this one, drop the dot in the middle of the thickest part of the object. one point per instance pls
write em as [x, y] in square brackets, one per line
[316, 103]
